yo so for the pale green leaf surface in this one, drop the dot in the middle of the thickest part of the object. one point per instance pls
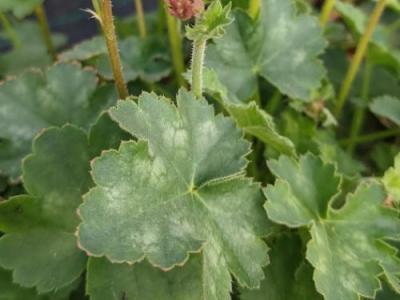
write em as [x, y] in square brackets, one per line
[38, 100]
[280, 46]
[41, 249]
[20, 8]
[85, 50]
[145, 59]
[143, 281]
[347, 248]
[249, 117]
[288, 276]
[391, 179]
[11, 291]
[387, 107]
[183, 191]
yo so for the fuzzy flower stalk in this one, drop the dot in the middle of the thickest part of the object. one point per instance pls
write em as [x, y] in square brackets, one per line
[210, 24]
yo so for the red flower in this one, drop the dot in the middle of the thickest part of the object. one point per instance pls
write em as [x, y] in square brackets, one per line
[185, 9]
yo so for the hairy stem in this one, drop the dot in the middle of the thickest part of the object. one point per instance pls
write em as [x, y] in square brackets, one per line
[45, 29]
[359, 55]
[175, 41]
[254, 8]
[107, 24]
[359, 115]
[326, 12]
[199, 49]
[140, 19]
[10, 31]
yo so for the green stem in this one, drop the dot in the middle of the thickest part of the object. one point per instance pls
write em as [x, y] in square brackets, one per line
[161, 17]
[273, 103]
[175, 41]
[45, 29]
[8, 28]
[359, 55]
[359, 116]
[140, 19]
[254, 8]
[326, 12]
[107, 24]
[199, 49]
[368, 138]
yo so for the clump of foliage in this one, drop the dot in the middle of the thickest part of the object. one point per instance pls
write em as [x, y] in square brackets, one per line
[263, 164]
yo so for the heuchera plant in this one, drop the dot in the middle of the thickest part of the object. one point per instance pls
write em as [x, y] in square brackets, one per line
[262, 165]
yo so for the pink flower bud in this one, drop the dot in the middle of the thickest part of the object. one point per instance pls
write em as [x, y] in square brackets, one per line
[185, 9]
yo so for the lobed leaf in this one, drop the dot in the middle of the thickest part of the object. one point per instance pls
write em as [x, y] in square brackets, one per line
[348, 248]
[183, 191]
[41, 249]
[20, 8]
[280, 46]
[36, 100]
[387, 107]
[391, 180]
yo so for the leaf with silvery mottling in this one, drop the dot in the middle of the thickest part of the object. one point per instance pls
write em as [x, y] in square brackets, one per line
[183, 191]
[348, 248]
[281, 47]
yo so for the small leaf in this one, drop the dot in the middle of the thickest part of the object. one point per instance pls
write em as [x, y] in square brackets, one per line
[41, 250]
[143, 281]
[387, 107]
[38, 100]
[211, 23]
[391, 180]
[280, 46]
[288, 276]
[348, 248]
[181, 191]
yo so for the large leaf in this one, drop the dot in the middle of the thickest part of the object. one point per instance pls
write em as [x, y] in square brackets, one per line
[143, 281]
[181, 191]
[20, 8]
[280, 46]
[288, 276]
[347, 248]
[35, 100]
[387, 107]
[85, 50]
[40, 245]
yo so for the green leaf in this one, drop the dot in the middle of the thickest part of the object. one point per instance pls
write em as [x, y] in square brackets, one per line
[280, 47]
[347, 248]
[85, 50]
[391, 180]
[143, 281]
[249, 117]
[11, 291]
[211, 23]
[40, 244]
[181, 191]
[20, 8]
[35, 100]
[387, 107]
[288, 276]
[16, 61]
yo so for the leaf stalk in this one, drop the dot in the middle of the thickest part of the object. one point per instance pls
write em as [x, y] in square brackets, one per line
[141, 19]
[45, 30]
[175, 41]
[369, 138]
[107, 24]
[8, 28]
[199, 49]
[359, 56]
[326, 12]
